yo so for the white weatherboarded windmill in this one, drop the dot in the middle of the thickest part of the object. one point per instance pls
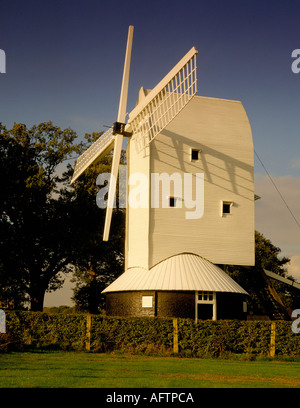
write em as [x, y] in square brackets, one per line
[191, 159]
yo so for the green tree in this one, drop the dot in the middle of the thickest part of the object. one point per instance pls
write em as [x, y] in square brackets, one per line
[267, 297]
[46, 227]
[100, 263]
[31, 216]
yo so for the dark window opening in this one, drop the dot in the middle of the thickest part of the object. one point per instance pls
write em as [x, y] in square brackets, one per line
[195, 154]
[172, 201]
[205, 312]
[226, 207]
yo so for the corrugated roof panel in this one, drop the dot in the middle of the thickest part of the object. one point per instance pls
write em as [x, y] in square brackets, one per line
[180, 272]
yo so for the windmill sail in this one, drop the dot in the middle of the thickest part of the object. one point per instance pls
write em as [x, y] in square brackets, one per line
[165, 101]
[107, 141]
[102, 146]
[146, 121]
[118, 137]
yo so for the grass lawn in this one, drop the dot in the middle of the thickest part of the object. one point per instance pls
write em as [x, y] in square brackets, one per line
[77, 370]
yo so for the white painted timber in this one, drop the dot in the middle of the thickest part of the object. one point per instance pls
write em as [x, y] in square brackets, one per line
[118, 137]
[137, 218]
[157, 109]
[180, 272]
[112, 185]
[220, 130]
[94, 153]
[125, 79]
[105, 143]
[282, 279]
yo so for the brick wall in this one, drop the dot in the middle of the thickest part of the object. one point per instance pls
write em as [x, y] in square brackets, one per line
[129, 304]
[176, 304]
[172, 304]
[165, 304]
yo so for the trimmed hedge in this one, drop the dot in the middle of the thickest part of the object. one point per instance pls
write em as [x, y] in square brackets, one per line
[146, 335]
[132, 335]
[224, 337]
[43, 330]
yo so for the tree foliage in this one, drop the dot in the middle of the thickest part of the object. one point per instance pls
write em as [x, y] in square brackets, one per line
[101, 262]
[46, 227]
[266, 297]
[33, 232]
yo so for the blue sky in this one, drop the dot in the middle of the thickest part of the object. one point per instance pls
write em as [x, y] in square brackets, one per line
[64, 62]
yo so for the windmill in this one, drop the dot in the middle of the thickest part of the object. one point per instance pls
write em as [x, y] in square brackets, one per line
[146, 121]
[198, 154]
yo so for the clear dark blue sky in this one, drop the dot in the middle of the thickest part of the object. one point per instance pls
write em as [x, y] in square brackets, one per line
[65, 61]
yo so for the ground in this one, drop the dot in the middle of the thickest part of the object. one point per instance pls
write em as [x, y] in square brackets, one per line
[89, 370]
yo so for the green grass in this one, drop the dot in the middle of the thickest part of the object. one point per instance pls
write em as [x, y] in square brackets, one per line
[76, 370]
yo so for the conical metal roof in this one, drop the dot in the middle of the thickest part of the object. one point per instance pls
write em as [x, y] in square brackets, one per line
[179, 272]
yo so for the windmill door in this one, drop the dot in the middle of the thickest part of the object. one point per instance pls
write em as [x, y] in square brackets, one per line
[205, 305]
[205, 311]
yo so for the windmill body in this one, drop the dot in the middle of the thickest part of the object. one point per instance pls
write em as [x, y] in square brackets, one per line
[219, 132]
[170, 258]
[190, 163]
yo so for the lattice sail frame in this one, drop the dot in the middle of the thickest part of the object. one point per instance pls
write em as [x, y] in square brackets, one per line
[152, 114]
[165, 101]
[93, 152]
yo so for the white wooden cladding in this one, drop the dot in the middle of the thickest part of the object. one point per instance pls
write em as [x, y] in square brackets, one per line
[93, 153]
[165, 101]
[220, 130]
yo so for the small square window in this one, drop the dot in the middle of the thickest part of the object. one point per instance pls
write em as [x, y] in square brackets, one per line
[226, 207]
[147, 301]
[195, 154]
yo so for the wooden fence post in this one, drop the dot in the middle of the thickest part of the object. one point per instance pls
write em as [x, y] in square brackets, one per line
[272, 339]
[88, 332]
[175, 335]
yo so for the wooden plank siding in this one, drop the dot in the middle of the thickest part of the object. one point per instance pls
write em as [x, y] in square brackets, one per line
[137, 219]
[221, 130]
